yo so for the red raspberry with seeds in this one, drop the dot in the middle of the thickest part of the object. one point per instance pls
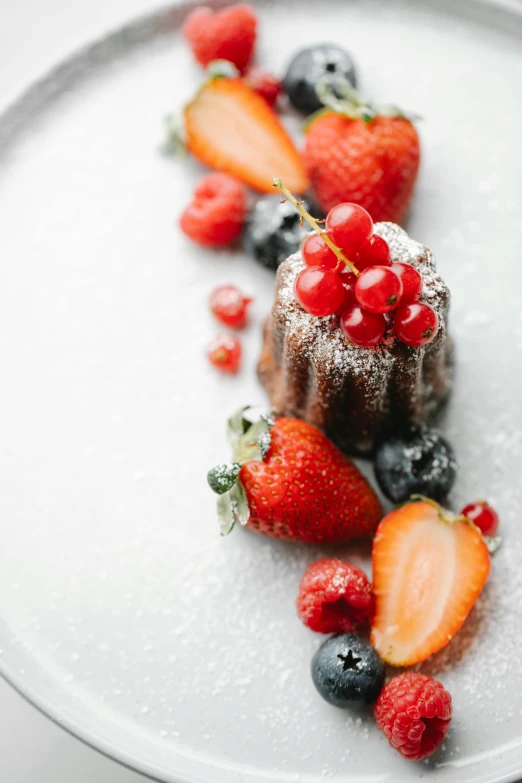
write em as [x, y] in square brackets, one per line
[224, 352]
[229, 34]
[230, 305]
[217, 211]
[264, 83]
[414, 712]
[334, 597]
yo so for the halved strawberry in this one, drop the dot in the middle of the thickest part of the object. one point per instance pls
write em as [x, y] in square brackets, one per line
[231, 128]
[429, 567]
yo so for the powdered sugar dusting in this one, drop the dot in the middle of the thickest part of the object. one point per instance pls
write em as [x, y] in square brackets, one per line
[321, 338]
[355, 394]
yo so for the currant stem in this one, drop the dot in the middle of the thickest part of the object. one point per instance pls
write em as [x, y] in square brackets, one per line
[278, 183]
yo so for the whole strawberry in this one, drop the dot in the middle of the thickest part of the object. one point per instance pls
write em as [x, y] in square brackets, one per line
[289, 481]
[354, 153]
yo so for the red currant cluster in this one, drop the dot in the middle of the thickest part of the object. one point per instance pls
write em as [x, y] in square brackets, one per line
[364, 289]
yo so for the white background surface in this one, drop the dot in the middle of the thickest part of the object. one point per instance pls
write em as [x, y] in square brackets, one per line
[34, 34]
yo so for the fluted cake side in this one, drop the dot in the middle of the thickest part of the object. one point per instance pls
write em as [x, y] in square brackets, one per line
[355, 395]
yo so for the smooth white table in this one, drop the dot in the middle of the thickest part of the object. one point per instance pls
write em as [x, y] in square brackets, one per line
[35, 34]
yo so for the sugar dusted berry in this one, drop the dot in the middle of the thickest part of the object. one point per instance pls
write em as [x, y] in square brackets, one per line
[334, 597]
[349, 226]
[347, 671]
[414, 712]
[224, 352]
[317, 64]
[273, 231]
[416, 324]
[411, 281]
[230, 305]
[483, 516]
[217, 211]
[378, 289]
[319, 291]
[264, 83]
[417, 460]
[363, 328]
[315, 252]
[375, 252]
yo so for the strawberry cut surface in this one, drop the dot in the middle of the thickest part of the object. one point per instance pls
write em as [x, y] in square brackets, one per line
[230, 128]
[428, 572]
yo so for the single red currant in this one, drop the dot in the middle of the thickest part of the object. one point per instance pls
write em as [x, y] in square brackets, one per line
[378, 289]
[229, 305]
[483, 516]
[349, 226]
[411, 281]
[375, 252]
[416, 323]
[363, 328]
[315, 252]
[319, 291]
[348, 280]
[348, 300]
[224, 353]
[347, 276]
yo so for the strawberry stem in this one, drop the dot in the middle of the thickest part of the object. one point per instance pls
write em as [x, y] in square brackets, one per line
[174, 140]
[350, 105]
[222, 69]
[278, 183]
[444, 513]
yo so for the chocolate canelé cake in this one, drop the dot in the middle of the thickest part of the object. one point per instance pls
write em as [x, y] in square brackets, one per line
[355, 395]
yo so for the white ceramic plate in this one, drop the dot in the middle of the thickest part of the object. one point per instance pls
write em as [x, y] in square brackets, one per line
[123, 615]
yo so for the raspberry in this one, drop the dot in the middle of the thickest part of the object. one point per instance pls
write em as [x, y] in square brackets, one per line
[264, 83]
[414, 712]
[334, 597]
[229, 34]
[217, 211]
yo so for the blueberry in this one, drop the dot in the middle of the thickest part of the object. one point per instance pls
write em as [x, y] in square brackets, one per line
[347, 671]
[273, 231]
[322, 63]
[416, 461]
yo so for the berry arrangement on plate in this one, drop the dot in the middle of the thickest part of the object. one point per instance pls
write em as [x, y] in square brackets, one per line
[356, 359]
